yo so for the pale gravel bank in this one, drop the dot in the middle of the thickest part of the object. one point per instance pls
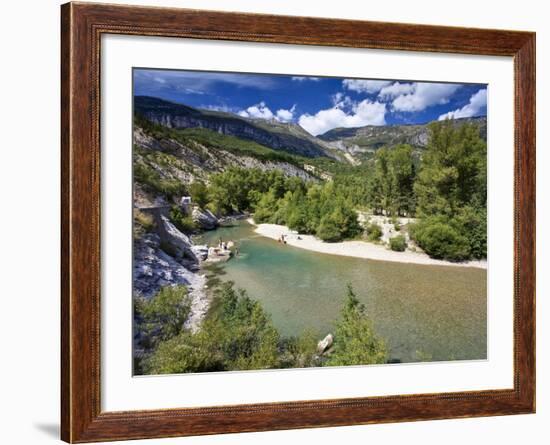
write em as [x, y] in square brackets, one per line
[356, 249]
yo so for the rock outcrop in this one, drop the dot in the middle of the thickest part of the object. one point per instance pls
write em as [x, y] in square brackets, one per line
[325, 344]
[205, 219]
[177, 244]
[154, 268]
[360, 141]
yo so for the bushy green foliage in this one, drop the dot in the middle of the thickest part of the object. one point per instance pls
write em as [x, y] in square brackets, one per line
[454, 170]
[341, 223]
[240, 189]
[440, 239]
[355, 342]
[457, 238]
[143, 223]
[374, 232]
[182, 221]
[163, 316]
[472, 223]
[300, 351]
[266, 207]
[235, 145]
[199, 193]
[236, 335]
[398, 243]
[328, 229]
[304, 206]
[151, 179]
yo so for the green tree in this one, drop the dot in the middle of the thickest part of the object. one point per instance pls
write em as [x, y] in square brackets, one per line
[402, 176]
[199, 193]
[237, 334]
[355, 342]
[328, 229]
[453, 172]
[181, 220]
[390, 187]
[163, 316]
[266, 207]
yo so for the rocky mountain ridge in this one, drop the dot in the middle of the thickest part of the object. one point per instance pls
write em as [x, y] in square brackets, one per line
[363, 140]
[285, 137]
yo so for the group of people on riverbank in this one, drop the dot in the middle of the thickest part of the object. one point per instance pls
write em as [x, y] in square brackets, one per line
[225, 246]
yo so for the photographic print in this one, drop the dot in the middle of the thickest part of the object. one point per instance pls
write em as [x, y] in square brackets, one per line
[285, 221]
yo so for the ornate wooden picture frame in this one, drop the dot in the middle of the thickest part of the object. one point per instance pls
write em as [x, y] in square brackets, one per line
[82, 26]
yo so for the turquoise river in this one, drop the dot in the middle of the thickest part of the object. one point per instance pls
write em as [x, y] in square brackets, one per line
[423, 312]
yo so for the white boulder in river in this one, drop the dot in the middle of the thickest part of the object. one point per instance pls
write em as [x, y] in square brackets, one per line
[325, 343]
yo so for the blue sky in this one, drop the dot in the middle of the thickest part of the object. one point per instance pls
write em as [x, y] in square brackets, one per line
[318, 104]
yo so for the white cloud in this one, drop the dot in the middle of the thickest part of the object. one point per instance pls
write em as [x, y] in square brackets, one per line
[285, 115]
[365, 86]
[304, 78]
[258, 111]
[424, 95]
[363, 113]
[192, 91]
[396, 89]
[339, 100]
[223, 108]
[262, 111]
[472, 108]
[150, 81]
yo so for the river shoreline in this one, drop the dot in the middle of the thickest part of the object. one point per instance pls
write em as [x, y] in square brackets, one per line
[355, 249]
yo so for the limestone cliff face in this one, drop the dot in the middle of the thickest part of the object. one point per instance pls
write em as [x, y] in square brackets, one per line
[279, 136]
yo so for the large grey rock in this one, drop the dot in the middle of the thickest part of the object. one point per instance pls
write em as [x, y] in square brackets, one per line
[174, 242]
[154, 268]
[205, 219]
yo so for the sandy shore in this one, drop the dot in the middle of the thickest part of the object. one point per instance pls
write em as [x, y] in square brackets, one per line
[356, 249]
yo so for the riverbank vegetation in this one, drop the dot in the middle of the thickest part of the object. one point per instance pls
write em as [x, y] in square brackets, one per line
[238, 334]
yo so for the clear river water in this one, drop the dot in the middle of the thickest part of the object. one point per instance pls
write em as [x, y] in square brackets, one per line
[423, 312]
